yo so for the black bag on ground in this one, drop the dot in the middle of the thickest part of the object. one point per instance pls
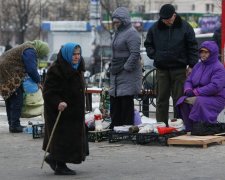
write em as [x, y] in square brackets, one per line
[204, 129]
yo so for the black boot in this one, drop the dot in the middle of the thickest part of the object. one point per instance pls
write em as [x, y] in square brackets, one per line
[62, 169]
[50, 161]
[17, 129]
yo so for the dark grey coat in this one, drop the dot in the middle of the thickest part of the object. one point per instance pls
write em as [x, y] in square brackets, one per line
[126, 52]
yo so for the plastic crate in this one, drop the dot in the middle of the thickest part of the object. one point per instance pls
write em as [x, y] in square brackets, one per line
[142, 138]
[97, 136]
[38, 130]
[122, 136]
[148, 138]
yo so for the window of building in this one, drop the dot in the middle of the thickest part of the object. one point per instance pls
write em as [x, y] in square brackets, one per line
[176, 7]
[141, 8]
[213, 6]
[209, 7]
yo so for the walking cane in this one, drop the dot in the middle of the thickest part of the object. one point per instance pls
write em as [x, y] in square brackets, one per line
[50, 139]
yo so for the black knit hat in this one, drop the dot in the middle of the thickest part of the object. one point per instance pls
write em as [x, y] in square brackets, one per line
[166, 11]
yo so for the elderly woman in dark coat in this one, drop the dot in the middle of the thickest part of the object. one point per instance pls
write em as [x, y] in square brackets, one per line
[64, 91]
[125, 72]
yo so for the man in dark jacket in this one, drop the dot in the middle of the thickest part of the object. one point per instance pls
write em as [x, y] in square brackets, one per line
[171, 43]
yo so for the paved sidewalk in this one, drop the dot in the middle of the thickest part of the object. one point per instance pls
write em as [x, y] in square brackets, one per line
[21, 157]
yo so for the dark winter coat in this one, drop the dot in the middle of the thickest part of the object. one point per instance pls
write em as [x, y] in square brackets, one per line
[126, 72]
[172, 47]
[63, 83]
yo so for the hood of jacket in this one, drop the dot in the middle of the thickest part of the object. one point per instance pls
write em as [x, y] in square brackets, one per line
[122, 14]
[213, 49]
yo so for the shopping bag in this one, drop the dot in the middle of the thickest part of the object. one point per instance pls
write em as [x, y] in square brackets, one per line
[29, 85]
[202, 128]
[32, 104]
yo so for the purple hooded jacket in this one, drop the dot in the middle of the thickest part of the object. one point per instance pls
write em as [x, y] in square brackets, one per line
[207, 81]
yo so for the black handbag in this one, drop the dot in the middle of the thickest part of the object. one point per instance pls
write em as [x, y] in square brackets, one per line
[203, 129]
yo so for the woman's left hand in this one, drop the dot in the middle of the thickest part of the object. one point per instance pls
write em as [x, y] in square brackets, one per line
[188, 71]
[62, 106]
[40, 86]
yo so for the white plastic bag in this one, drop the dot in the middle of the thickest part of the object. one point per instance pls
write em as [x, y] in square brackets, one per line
[221, 116]
[98, 120]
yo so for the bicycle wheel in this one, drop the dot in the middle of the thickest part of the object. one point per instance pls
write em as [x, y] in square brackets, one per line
[149, 87]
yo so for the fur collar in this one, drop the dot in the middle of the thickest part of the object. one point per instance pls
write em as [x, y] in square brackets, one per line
[177, 23]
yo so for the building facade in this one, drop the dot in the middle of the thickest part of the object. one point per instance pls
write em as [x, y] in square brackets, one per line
[194, 6]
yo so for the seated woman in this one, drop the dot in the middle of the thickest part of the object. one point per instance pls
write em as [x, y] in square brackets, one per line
[204, 89]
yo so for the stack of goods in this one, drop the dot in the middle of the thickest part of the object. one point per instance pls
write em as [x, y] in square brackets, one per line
[95, 122]
[178, 124]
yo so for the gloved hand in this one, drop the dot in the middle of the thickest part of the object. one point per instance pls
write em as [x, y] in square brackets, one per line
[189, 93]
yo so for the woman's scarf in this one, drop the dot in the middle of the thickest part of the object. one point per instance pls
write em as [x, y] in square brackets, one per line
[67, 52]
[41, 47]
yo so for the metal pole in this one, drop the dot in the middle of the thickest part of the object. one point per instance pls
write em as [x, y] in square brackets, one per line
[101, 49]
[223, 31]
[40, 20]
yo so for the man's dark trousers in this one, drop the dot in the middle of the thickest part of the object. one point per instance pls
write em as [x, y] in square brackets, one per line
[170, 82]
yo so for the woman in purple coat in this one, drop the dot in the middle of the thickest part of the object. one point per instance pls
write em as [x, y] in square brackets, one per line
[204, 89]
